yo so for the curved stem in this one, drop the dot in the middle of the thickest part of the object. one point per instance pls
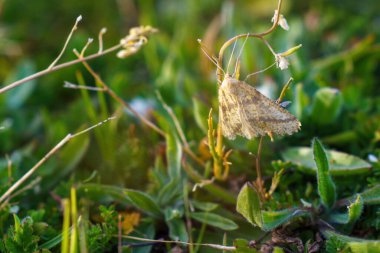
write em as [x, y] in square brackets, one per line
[257, 35]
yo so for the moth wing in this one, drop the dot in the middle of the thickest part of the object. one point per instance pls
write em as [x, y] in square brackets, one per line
[228, 115]
[262, 113]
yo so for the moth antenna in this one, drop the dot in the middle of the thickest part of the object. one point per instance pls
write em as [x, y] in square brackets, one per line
[211, 58]
[260, 71]
[232, 54]
[241, 50]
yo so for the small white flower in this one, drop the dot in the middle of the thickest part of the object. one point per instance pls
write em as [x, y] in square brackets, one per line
[282, 62]
[372, 158]
[281, 21]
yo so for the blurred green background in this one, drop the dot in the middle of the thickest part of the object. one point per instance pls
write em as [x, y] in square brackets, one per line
[335, 94]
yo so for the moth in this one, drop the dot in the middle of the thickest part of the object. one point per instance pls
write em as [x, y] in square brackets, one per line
[244, 111]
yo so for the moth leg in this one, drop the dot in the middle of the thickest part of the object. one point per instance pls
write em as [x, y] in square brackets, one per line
[270, 134]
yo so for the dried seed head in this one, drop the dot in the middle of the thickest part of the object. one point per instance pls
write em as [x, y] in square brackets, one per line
[136, 38]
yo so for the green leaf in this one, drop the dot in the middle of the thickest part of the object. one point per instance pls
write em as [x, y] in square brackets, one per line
[17, 223]
[173, 155]
[326, 186]
[16, 97]
[356, 245]
[204, 206]
[53, 241]
[200, 114]
[242, 246]
[341, 164]
[177, 229]
[143, 202]
[278, 250]
[169, 193]
[301, 100]
[327, 105]
[70, 156]
[148, 230]
[370, 196]
[214, 220]
[249, 205]
[138, 199]
[355, 210]
[273, 219]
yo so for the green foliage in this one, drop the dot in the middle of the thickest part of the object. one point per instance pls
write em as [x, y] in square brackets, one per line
[326, 186]
[335, 96]
[21, 237]
[214, 220]
[326, 106]
[249, 205]
[101, 236]
[341, 164]
[334, 245]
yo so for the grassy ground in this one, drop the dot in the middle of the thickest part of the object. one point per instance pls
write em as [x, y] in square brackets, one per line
[124, 175]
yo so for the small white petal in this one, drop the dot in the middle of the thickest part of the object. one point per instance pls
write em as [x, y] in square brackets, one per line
[283, 23]
[282, 62]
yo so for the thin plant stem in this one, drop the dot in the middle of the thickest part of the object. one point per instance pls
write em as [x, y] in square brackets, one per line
[187, 215]
[35, 167]
[134, 112]
[100, 38]
[214, 246]
[66, 226]
[259, 181]
[200, 236]
[74, 220]
[119, 99]
[89, 41]
[169, 110]
[43, 160]
[283, 91]
[58, 67]
[260, 71]
[119, 229]
[69, 85]
[257, 35]
[79, 18]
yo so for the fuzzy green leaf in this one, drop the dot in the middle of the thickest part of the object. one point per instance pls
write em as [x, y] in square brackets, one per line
[355, 210]
[249, 205]
[169, 193]
[370, 196]
[214, 220]
[177, 229]
[326, 186]
[273, 219]
[341, 164]
[242, 246]
[356, 245]
[143, 201]
[204, 206]
[138, 199]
